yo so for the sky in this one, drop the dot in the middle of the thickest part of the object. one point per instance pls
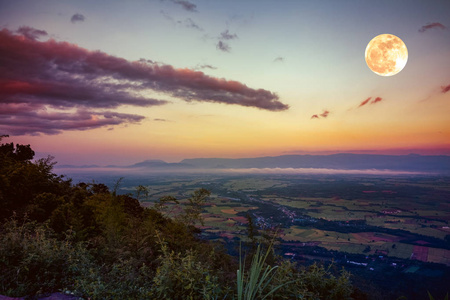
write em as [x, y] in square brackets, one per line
[117, 82]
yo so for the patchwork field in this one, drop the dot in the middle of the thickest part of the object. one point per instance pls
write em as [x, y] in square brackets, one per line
[417, 206]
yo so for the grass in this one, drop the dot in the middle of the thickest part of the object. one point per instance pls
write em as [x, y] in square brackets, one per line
[259, 276]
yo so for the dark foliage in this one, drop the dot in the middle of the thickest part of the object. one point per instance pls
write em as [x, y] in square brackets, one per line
[56, 236]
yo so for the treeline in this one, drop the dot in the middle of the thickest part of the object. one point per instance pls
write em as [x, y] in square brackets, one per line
[86, 239]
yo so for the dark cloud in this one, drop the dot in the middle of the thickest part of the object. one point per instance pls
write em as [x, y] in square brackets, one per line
[77, 18]
[324, 114]
[223, 46]
[365, 102]
[42, 80]
[160, 120]
[376, 100]
[204, 66]
[28, 120]
[167, 15]
[188, 23]
[279, 59]
[186, 5]
[226, 35]
[445, 89]
[431, 25]
[31, 33]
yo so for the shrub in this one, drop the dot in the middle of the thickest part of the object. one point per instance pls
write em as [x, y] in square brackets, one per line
[33, 261]
[184, 276]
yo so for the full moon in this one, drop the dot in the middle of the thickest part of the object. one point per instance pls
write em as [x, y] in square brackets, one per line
[386, 54]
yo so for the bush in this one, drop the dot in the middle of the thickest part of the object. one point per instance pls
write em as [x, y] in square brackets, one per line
[121, 280]
[34, 262]
[184, 276]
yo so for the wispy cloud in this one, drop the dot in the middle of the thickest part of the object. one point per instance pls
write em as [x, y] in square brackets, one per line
[223, 37]
[226, 35]
[377, 99]
[50, 80]
[445, 89]
[160, 120]
[31, 33]
[204, 66]
[188, 23]
[279, 59]
[223, 46]
[365, 102]
[324, 114]
[77, 18]
[186, 5]
[312, 171]
[167, 16]
[368, 101]
[432, 25]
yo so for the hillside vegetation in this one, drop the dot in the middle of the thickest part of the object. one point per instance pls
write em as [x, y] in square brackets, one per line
[86, 239]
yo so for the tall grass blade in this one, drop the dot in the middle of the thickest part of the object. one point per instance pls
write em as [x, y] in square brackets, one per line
[258, 277]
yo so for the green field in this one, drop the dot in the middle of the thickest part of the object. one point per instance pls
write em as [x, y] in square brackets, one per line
[419, 206]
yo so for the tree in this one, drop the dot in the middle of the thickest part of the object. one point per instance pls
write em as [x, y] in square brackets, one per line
[141, 190]
[252, 231]
[22, 180]
[193, 210]
[19, 153]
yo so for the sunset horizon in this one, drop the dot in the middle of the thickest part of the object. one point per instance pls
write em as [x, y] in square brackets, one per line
[171, 80]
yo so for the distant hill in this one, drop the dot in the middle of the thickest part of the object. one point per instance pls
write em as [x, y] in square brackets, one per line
[342, 161]
[345, 161]
[159, 164]
[77, 167]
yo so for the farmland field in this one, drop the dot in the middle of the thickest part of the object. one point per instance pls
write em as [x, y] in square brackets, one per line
[370, 215]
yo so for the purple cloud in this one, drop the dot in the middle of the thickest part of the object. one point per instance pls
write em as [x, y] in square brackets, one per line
[226, 35]
[223, 46]
[27, 120]
[77, 18]
[31, 33]
[204, 66]
[37, 77]
[186, 5]
[167, 16]
[188, 23]
[445, 89]
[431, 25]
[324, 114]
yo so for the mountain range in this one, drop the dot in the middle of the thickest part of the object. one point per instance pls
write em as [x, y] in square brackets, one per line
[342, 161]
